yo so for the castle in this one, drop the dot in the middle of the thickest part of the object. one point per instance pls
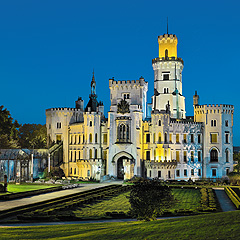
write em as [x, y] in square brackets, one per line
[140, 139]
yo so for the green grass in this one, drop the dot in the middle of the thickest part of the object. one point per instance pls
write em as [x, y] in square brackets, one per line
[185, 199]
[208, 226]
[96, 210]
[13, 188]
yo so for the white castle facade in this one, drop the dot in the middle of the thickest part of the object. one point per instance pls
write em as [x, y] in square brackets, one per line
[133, 141]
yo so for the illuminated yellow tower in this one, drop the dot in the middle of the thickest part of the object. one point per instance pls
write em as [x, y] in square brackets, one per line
[167, 46]
[168, 78]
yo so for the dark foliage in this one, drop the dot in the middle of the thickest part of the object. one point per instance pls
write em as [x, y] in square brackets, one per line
[149, 198]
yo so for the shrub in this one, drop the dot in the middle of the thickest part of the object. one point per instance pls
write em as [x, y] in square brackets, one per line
[149, 198]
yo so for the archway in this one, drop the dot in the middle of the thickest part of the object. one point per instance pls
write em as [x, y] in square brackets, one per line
[120, 168]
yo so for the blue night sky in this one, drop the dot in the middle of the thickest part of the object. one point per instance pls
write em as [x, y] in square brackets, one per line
[48, 50]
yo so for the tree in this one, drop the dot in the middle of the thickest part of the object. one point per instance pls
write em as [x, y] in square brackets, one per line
[236, 158]
[33, 136]
[8, 130]
[148, 198]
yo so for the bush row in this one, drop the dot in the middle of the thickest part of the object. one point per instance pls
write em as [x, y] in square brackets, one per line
[208, 200]
[233, 196]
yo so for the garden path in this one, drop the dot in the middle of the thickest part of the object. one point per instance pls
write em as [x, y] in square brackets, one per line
[224, 201]
[7, 205]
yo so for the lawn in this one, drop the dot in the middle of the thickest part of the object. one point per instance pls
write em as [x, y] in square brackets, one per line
[207, 226]
[13, 188]
[185, 199]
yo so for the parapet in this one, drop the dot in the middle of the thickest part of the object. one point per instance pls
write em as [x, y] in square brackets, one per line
[63, 109]
[213, 108]
[140, 82]
[167, 37]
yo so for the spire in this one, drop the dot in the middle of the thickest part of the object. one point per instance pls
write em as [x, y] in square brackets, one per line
[93, 85]
[167, 25]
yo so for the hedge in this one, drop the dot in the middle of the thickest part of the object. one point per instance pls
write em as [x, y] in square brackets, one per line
[233, 196]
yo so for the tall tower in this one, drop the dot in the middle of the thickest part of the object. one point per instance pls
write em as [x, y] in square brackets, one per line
[168, 78]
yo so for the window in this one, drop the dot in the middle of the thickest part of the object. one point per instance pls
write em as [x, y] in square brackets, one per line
[226, 123]
[96, 156]
[165, 137]
[214, 155]
[165, 154]
[105, 138]
[71, 157]
[88, 173]
[49, 126]
[58, 138]
[178, 173]
[147, 155]
[96, 138]
[166, 53]
[75, 156]
[227, 155]
[227, 171]
[213, 123]
[159, 174]
[192, 156]
[185, 138]
[165, 76]
[159, 137]
[199, 156]
[79, 155]
[75, 139]
[150, 173]
[123, 133]
[226, 137]
[83, 138]
[90, 123]
[59, 125]
[177, 138]
[126, 96]
[214, 137]
[170, 137]
[185, 172]
[192, 172]
[90, 138]
[169, 174]
[71, 171]
[199, 172]
[75, 171]
[214, 172]
[159, 123]
[148, 138]
[165, 90]
[154, 137]
[185, 156]
[90, 153]
[177, 156]
[104, 155]
[192, 138]
[199, 138]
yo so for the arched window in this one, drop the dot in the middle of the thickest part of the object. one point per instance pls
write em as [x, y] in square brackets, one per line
[95, 153]
[71, 171]
[90, 138]
[227, 155]
[159, 137]
[75, 171]
[95, 137]
[165, 137]
[83, 139]
[90, 153]
[159, 123]
[214, 155]
[75, 156]
[123, 133]
[166, 53]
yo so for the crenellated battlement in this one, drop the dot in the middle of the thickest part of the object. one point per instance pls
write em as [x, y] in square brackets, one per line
[167, 37]
[115, 83]
[63, 109]
[185, 122]
[213, 108]
[167, 59]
